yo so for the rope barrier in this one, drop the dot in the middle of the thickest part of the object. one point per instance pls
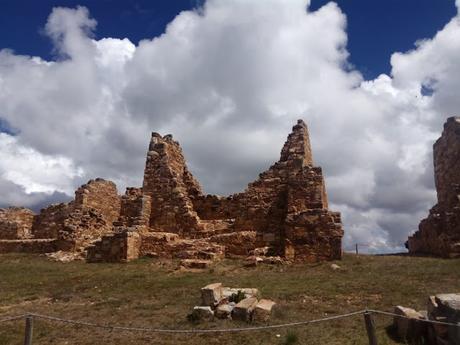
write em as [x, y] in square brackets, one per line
[12, 318]
[195, 331]
[407, 317]
[227, 330]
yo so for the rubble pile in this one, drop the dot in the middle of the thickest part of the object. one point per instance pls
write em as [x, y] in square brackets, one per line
[218, 301]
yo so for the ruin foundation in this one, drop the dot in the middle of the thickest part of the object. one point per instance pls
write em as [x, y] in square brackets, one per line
[439, 233]
[283, 213]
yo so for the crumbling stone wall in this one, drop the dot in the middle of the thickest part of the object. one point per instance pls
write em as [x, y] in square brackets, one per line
[135, 209]
[285, 209]
[439, 233]
[39, 246]
[15, 223]
[170, 185]
[120, 247]
[100, 195]
[286, 206]
[50, 220]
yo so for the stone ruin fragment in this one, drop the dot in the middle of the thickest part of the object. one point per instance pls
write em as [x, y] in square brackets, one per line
[439, 324]
[244, 304]
[282, 215]
[439, 233]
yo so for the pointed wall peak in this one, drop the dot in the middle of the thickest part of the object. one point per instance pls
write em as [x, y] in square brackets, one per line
[297, 149]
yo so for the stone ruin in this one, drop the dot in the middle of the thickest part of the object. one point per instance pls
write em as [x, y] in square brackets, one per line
[414, 327]
[283, 214]
[439, 233]
[244, 304]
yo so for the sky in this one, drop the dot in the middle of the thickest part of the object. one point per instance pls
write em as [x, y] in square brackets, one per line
[82, 85]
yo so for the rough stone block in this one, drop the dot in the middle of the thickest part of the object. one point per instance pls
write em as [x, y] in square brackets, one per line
[224, 311]
[202, 313]
[211, 294]
[407, 325]
[243, 310]
[263, 310]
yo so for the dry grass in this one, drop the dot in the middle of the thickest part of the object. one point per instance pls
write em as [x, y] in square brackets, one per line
[149, 293]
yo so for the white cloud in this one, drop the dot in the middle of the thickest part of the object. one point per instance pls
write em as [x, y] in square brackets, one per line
[229, 80]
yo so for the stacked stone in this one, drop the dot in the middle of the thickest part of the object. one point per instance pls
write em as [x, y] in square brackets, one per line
[439, 233]
[120, 247]
[412, 329]
[100, 195]
[50, 220]
[171, 186]
[285, 210]
[232, 303]
[135, 209]
[16, 223]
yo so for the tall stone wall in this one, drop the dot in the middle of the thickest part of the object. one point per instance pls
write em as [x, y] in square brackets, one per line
[286, 206]
[100, 195]
[85, 219]
[439, 233]
[170, 185]
[135, 208]
[16, 223]
[284, 210]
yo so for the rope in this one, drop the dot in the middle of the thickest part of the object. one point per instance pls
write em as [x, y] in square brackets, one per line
[11, 318]
[227, 330]
[195, 331]
[407, 317]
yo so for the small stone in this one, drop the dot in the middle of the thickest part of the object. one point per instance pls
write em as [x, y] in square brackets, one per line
[195, 264]
[263, 310]
[253, 261]
[406, 326]
[335, 267]
[202, 313]
[448, 303]
[243, 310]
[224, 311]
[211, 294]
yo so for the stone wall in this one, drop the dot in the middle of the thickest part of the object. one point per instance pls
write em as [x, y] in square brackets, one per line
[16, 223]
[284, 210]
[28, 246]
[135, 208]
[439, 233]
[50, 220]
[120, 247]
[100, 195]
[286, 206]
[170, 185]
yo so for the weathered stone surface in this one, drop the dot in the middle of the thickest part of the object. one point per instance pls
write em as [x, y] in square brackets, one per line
[263, 310]
[284, 211]
[16, 223]
[202, 313]
[439, 233]
[195, 264]
[243, 310]
[119, 247]
[211, 294]
[28, 246]
[407, 325]
[171, 187]
[224, 311]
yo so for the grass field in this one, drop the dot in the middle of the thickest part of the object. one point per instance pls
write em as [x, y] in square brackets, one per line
[151, 293]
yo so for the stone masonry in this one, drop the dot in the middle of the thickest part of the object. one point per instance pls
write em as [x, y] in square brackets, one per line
[439, 233]
[284, 213]
[16, 223]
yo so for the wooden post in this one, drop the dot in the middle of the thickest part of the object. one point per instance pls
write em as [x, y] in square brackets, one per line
[356, 248]
[29, 330]
[370, 328]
